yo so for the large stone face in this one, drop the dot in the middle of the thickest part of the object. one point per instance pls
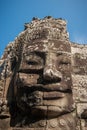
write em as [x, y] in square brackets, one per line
[43, 79]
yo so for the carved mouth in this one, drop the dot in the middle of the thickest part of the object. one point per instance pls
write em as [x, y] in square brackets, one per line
[49, 87]
[52, 95]
[38, 98]
[46, 102]
[37, 94]
[45, 95]
[49, 98]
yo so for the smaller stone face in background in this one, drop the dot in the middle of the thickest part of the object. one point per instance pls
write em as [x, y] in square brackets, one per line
[79, 79]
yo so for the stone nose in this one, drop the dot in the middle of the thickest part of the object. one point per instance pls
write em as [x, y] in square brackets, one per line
[52, 74]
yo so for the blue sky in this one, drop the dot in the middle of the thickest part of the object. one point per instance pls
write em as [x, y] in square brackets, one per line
[14, 13]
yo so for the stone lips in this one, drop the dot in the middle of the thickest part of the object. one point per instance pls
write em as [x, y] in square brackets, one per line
[37, 101]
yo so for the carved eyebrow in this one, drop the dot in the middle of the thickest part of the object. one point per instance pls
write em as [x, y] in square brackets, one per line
[39, 53]
[63, 52]
[42, 52]
[34, 52]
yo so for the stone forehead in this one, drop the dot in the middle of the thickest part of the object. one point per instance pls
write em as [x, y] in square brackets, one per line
[46, 45]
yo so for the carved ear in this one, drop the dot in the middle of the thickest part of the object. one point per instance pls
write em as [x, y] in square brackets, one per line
[4, 110]
[15, 85]
[6, 96]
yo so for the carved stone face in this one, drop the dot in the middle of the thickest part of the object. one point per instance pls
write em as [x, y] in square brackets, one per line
[43, 85]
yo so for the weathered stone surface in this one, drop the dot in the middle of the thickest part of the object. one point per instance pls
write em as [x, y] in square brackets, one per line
[80, 87]
[43, 79]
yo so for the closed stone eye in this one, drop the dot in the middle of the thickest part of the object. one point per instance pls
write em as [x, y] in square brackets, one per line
[64, 62]
[32, 62]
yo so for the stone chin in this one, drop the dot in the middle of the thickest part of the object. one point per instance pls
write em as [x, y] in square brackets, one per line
[49, 111]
